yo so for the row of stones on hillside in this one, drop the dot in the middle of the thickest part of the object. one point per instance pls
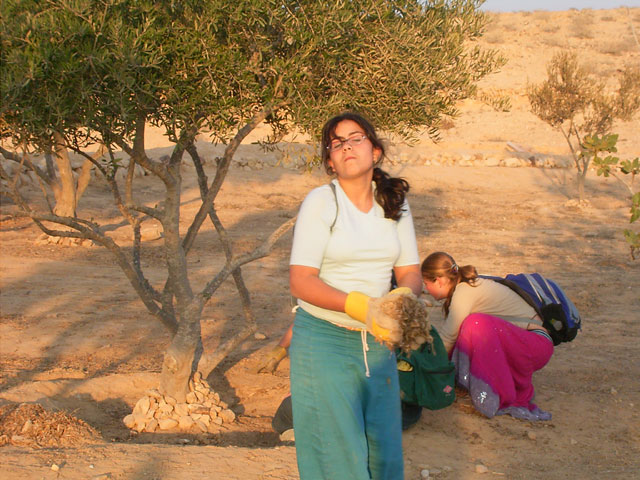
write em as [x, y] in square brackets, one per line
[285, 160]
[202, 412]
[300, 157]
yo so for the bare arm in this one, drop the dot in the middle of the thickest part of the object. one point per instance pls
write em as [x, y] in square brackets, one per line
[306, 285]
[285, 340]
[409, 276]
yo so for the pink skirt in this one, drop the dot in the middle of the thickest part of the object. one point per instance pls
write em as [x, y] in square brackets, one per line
[495, 361]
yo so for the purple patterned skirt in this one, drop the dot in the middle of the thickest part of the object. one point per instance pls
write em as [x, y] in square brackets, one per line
[495, 361]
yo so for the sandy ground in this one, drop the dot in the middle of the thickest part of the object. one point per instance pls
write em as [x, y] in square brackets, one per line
[75, 338]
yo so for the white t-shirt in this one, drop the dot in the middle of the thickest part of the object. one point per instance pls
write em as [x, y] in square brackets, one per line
[358, 255]
[487, 297]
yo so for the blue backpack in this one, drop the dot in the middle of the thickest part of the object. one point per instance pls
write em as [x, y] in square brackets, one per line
[559, 315]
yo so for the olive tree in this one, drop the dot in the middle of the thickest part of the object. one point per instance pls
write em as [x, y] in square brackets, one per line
[76, 73]
[578, 104]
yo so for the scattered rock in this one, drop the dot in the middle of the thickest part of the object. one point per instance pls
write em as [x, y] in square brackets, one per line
[424, 473]
[481, 468]
[531, 435]
[259, 336]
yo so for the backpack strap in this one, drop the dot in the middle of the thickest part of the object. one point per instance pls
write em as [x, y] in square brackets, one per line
[551, 289]
[335, 197]
[538, 289]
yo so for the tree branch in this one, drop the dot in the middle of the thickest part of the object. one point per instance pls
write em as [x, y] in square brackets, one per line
[221, 173]
[262, 251]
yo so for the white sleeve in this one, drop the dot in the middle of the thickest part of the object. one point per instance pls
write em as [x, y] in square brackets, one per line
[312, 229]
[407, 236]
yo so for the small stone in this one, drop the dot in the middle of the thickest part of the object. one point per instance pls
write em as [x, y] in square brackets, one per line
[481, 468]
[167, 423]
[151, 426]
[203, 428]
[165, 409]
[197, 377]
[288, 436]
[197, 408]
[424, 473]
[170, 400]
[192, 397]
[154, 393]
[574, 441]
[186, 422]
[217, 421]
[531, 435]
[447, 468]
[181, 409]
[614, 391]
[129, 421]
[142, 406]
[141, 422]
[55, 467]
[259, 336]
[227, 415]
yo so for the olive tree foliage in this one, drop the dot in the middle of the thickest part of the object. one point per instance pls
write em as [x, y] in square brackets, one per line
[625, 171]
[75, 73]
[578, 104]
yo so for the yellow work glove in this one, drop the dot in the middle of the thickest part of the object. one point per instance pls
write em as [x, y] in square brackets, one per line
[383, 327]
[274, 357]
[401, 291]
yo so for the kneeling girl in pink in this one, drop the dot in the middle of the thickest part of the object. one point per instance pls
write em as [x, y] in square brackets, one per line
[495, 338]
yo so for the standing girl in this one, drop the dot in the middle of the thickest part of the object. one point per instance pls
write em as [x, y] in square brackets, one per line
[344, 384]
[493, 336]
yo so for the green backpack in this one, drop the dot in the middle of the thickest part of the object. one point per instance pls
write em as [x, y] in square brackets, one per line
[427, 378]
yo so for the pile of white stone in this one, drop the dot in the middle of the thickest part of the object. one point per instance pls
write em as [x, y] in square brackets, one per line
[202, 412]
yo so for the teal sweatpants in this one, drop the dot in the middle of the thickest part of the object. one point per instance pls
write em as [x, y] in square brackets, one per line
[347, 425]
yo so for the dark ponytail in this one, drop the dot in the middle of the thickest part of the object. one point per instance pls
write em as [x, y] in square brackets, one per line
[390, 191]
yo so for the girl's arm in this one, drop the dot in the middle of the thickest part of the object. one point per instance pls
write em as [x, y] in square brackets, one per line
[409, 276]
[306, 285]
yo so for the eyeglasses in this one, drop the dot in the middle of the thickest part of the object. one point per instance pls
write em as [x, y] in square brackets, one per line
[336, 144]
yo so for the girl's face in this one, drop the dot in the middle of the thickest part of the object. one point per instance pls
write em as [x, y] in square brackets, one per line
[351, 154]
[438, 288]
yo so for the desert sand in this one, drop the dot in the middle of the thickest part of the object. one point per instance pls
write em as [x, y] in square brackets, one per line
[75, 338]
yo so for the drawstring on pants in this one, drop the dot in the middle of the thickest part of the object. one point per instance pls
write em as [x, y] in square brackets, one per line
[365, 349]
